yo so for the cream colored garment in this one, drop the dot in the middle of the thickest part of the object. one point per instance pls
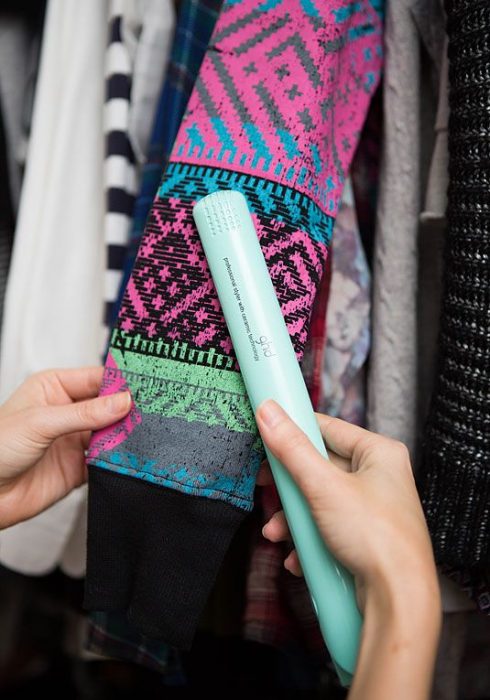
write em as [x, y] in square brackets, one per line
[436, 195]
[15, 45]
[58, 536]
[414, 37]
[54, 295]
[147, 32]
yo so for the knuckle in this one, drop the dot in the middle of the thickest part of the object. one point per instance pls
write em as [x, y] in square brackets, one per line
[368, 444]
[34, 379]
[31, 417]
[36, 423]
[399, 456]
[47, 376]
[401, 451]
[46, 381]
[84, 412]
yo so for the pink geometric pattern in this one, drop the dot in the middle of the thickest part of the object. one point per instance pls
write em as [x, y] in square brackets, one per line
[112, 436]
[276, 111]
[283, 92]
[186, 306]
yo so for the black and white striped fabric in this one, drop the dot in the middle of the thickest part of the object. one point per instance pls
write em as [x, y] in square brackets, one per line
[120, 168]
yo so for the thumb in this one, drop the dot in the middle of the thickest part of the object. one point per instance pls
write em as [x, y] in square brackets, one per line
[51, 422]
[293, 449]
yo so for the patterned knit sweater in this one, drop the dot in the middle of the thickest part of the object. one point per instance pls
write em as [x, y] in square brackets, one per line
[275, 113]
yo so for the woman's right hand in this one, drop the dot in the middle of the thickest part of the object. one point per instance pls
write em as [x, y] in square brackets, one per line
[363, 499]
[367, 509]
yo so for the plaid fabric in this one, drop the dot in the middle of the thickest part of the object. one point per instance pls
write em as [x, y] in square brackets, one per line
[278, 608]
[195, 25]
[110, 636]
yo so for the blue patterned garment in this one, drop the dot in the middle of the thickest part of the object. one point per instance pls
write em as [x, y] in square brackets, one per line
[195, 25]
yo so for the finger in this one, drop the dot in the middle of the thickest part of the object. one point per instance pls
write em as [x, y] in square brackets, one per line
[264, 476]
[277, 530]
[341, 437]
[291, 563]
[79, 383]
[340, 462]
[294, 450]
[50, 422]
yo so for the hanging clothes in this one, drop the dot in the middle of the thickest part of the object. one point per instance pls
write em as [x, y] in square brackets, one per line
[14, 53]
[109, 633]
[195, 24]
[348, 319]
[146, 30]
[20, 30]
[139, 39]
[414, 40]
[279, 101]
[455, 476]
[6, 215]
[54, 292]
[312, 363]
[432, 235]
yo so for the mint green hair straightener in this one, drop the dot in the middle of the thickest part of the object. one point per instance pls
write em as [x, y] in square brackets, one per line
[270, 371]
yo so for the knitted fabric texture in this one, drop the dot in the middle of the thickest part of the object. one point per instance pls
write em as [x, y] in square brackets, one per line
[456, 479]
[195, 24]
[275, 113]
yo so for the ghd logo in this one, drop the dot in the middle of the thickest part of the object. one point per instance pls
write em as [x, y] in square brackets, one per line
[266, 345]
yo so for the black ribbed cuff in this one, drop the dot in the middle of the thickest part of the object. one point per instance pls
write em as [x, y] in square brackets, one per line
[154, 553]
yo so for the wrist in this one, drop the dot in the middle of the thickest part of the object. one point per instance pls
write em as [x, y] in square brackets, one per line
[399, 638]
[408, 602]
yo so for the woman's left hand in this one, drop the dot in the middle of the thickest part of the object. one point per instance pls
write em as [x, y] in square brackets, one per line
[44, 430]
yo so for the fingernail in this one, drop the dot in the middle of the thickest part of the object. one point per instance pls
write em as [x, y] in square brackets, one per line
[271, 413]
[117, 403]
